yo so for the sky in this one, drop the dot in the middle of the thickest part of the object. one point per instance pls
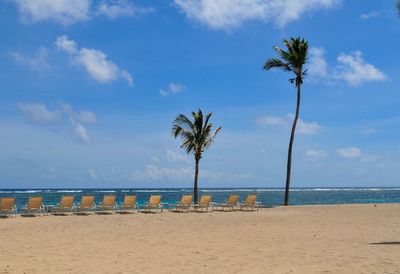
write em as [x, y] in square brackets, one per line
[89, 91]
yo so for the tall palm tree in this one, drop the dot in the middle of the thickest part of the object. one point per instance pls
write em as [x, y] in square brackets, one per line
[291, 60]
[197, 136]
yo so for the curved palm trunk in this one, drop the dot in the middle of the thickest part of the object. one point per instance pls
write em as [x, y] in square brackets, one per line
[289, 161]
[196, 175]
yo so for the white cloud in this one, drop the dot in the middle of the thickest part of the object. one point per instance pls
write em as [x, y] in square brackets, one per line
[64, 12]
[269, 120]
[351, 68]
[173, 88]
[84, 117]
[91, 174]
[119, 8]
[303, 127]
[37, 62]
[318, 67]
[95, 62]
[38, 113]
[354, 70]
[65, 44]
[314, 154]
[349, 152]
[154, 173]
[307, 128]
[229, 14]
[68, 12]
[173, 156]
[369, 15]
[80, 132]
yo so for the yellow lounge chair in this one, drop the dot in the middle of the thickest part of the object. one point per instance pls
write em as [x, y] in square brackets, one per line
[66, 204]
[250, 203]
[87, 204]
[108, 204]
[129, 203]
[153, 203]
[34, 206]
[230, 204]
[7, 206]
[205, 203]
[184, 204]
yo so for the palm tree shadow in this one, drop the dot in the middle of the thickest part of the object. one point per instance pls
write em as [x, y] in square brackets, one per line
[387, 243]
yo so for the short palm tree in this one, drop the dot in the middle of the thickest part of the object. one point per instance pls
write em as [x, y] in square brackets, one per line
[197, 136]
[291, 60]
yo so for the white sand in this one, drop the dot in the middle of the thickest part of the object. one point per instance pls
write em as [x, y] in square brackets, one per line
[306, 239]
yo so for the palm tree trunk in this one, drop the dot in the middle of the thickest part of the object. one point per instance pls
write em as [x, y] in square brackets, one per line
[196, 176]
[289, 161]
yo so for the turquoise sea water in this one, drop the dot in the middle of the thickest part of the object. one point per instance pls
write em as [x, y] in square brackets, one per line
[267, 196]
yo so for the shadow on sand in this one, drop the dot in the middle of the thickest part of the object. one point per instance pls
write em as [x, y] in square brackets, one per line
[386, 243]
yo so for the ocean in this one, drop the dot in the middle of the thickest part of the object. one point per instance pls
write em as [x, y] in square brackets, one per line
[267, 196]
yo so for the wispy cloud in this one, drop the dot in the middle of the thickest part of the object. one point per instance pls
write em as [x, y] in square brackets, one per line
[64, 12]
[173, 88]
[349, 152]
[351, 68]
[69, 12]
[85, 117]
[369, 15]
[38, 113]
[173, 156]
[303, 127]
[153, 173]
[120, 8]
[37, 62]
[80, 132]
[95, 62]
[355, 71]
[230, 14]
[316, 154]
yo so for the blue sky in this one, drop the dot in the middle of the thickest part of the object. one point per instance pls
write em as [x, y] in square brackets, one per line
[89, 90]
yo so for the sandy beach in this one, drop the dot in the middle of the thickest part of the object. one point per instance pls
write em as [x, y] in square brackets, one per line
[298, 239]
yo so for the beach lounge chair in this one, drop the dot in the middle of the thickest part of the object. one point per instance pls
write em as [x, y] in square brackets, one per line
[87, 204]
[250, 203]
[66, 204]
[230, 204]
[34, 206]
[128, 204]
[108, 204]
[184, 205]
[7, 206]
[154, 203]
[205, 203]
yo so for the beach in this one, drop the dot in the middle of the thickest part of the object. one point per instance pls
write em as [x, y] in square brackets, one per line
[359, 238]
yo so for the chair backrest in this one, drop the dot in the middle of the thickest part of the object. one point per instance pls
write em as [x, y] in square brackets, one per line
[205, 200]
[7, 203]
[67, 201]
[108, 200]
[35, 202]
[186, 200]
[155, 200]
[233, 199]
[87, 201]
[129, 200]
[251, 200]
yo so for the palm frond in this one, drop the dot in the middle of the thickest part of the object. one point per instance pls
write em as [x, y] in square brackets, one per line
[398, 7]
[196, 134]
[292, 59]
[276, 63]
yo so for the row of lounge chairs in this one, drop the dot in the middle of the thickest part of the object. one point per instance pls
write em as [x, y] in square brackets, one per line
[35, 205]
